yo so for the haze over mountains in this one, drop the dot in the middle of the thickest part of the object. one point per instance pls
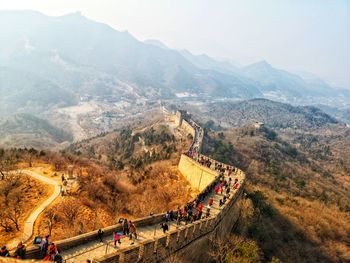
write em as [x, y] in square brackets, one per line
[61, 59]
[83, 77]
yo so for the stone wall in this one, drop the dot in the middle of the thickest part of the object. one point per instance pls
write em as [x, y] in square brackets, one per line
[180, 120]
[185, 126]
[197, 175]
[34, 251]
[191, 240]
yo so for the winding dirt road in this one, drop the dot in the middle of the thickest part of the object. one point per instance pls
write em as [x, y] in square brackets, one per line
[28, 226]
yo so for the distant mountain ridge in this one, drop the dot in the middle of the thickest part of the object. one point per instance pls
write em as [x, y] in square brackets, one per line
[83, 57]
[284, 84]
[25, 130]
[272, 114]
[53, 47]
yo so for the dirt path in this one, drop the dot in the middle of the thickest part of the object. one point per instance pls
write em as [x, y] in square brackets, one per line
[29, 222]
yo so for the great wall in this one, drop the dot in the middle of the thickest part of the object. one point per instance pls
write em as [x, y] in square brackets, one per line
[191, 240]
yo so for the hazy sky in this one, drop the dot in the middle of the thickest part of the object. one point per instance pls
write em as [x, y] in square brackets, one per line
[308, 35]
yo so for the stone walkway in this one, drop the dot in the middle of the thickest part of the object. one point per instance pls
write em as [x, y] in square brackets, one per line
[95, 249]
[29, 223]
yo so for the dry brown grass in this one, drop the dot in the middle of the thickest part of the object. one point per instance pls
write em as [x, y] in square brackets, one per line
[326, 227]
[307, 192]
[162, 189]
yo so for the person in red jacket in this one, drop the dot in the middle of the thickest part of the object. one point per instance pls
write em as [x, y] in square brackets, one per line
[211, 201]
[217, 189]
[52, 250]
[200, 207]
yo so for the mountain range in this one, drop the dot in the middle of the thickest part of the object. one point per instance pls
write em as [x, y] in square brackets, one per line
[49, 62]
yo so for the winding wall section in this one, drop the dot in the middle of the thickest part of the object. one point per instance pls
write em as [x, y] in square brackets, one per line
[153, 245]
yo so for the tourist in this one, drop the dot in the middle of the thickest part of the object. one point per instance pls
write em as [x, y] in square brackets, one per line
[116, 238]
[133, 230]
[44, 246]
[171, 215]
[52, 250]
[178, 217]
[211, 201]
[167, 216]
[58, 258]
[20, 252]
[216, 189]
[62, 178]
[165, 227]
[221, 187]
[200, 207]
[126, 227]
[189, 213]
[4, 252]
[100, 234]
[199, 215]
[184, 212]
[208, 211]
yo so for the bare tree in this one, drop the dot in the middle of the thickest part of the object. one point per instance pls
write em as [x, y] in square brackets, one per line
[218, 249]
[50, 218]
[10, 203]
[5, 224]
[234, 249]
[12, 210]
[31, 153]
[13, 215]
[173, 258]
[7, 162]
[70, 208]
[11, 182]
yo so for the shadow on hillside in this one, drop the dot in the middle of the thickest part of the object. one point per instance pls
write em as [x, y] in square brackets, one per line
[277, 236]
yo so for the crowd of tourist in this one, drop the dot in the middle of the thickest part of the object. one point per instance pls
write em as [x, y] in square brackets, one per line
[128, 230]
[19, 253]
[190, 212]
[48, 251]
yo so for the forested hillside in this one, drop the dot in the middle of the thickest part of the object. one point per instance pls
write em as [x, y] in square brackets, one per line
[297, 207]
[272, 114]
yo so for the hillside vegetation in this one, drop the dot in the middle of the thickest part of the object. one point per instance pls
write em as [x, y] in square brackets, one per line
[134, 147]
[272, 114]
[297, 207]
[131, 172]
